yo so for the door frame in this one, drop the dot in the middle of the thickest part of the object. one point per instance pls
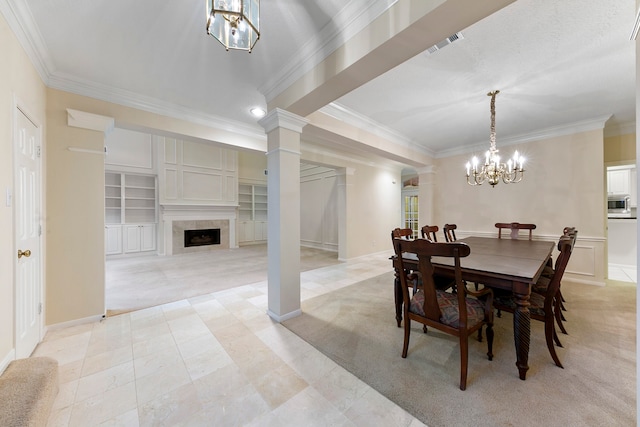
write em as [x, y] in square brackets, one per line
[19, 106]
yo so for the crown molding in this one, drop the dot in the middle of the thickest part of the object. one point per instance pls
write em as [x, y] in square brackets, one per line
[354, 17]
[342, 113]
[278, 118]
[20, 20]
[152, 105]
[555, 131]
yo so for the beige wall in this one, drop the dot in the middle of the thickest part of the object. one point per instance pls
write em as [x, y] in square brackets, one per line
[620, 149]
[563, 186]
[19, 81]
[372, 202]
[251, 167]
[75, 218]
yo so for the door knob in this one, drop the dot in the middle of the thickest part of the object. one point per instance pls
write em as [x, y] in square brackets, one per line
[26, 253]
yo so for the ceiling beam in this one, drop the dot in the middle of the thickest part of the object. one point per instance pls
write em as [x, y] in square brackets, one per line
[406, 29]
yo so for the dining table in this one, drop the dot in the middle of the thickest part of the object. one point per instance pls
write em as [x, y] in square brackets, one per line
[508, 264]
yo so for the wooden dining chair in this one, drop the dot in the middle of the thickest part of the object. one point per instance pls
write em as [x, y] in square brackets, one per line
[450, 232]
[547, 274]
[542, 306]
[402, 233]
[514, 228]
[459, 314]
[429, 232]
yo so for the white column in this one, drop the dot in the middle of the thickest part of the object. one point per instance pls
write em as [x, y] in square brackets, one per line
[426, 192]
[345, 178]
[283, 208]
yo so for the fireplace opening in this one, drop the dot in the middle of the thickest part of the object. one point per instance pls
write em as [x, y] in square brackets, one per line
[203, 237]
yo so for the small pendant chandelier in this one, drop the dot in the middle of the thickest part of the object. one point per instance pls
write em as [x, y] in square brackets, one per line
[234, 23]
[492, 170]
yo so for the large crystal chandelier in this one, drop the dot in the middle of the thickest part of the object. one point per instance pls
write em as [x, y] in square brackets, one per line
[234, 23]
[493, 170]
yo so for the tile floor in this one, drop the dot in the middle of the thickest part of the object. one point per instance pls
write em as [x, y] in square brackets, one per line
[213, 360]
[623, 273]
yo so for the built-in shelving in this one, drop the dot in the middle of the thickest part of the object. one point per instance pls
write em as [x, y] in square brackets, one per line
[130, 208]
[252, 213]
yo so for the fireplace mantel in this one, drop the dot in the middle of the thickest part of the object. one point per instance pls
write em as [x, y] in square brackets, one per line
[184, 215]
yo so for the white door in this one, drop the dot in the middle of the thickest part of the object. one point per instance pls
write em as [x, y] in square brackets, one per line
[27, 235]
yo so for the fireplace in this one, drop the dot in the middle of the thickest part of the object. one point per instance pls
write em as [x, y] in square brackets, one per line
[204, 237]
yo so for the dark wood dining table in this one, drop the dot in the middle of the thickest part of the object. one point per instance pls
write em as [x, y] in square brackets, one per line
[512, 265]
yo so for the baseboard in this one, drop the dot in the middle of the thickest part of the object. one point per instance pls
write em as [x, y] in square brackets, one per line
[10, 357]
[90, 319]
[284, 317]
[631, 267]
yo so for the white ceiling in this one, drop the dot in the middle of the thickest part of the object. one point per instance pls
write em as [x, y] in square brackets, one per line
[556, 63]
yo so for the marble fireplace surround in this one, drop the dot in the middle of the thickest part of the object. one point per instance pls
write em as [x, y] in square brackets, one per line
[177, 219]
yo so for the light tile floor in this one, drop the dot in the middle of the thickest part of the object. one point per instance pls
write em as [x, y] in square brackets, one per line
[213, 360]
[623, 273]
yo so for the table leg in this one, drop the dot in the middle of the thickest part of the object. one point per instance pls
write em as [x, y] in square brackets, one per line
[397, 291]
[522, 332]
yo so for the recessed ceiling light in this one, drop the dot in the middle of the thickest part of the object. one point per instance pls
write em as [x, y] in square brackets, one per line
[258, 112]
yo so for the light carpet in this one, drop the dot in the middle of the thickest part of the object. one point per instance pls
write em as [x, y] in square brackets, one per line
[355, 326]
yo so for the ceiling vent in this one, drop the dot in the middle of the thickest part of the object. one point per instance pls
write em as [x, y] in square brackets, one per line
[446, 42]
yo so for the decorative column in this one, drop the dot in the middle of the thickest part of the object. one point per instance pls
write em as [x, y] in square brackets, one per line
[426, 195]
[283, 208]
[345, 184]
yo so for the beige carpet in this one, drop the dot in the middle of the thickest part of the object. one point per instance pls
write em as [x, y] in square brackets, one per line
[355, 326]
[134, 283]
[28, 388]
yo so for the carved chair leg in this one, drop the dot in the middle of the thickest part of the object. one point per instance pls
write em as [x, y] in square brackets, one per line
[464, 360]
[407, 331]
[480, 334]
[490, 340]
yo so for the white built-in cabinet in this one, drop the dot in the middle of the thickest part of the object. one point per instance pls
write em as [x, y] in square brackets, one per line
[130, 213]
[623, 180]
[139, 237]
[252, 213]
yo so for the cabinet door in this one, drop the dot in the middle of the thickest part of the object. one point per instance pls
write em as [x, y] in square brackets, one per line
[618, 182]
[147, 237]
[245, 231]
[131, 235]
[260, 230]
[113, 239]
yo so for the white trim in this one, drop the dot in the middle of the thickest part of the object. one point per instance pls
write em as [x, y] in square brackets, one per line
[84, 120]
[153, 105]
[284, 317]
[20, 20]
[278, 118]
[346, 115]
[10, 357]
[76, 322]
[85, 150]
[628, 266]
[555, 131]
[283, 150]
[354, 17]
